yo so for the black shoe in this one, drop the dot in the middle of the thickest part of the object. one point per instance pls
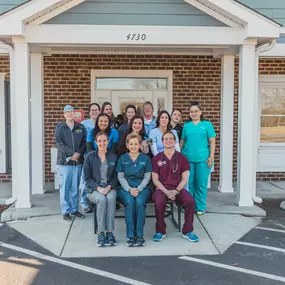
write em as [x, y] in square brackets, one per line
[77, 215]
[140, 241]
[131, 242]
[101, 241]
[111, 240]
[66, 217]
[89, 209]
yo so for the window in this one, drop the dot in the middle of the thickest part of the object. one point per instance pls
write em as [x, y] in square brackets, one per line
[131, 83]
[272, 114]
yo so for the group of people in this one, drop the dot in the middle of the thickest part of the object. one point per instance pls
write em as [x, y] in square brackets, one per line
[146, 157]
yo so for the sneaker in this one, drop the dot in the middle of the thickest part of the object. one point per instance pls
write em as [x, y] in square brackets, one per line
[200, 213]
[191, 236]
[101, 239]
[158, 237]
[130, 242]
[87, 209]
[77, 215]
[140, 241]
[110, 239]
[66, 217]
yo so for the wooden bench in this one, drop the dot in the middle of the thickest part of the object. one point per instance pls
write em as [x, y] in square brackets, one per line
[169, 212]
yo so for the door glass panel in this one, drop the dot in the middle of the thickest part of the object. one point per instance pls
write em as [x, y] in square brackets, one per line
[272, 101]
[131, 83]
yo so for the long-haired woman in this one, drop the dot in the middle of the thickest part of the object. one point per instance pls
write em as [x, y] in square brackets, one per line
[107, 108]
[103, 124]
[163, 125]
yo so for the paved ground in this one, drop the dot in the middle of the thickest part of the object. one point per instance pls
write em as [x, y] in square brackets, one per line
[257, 258]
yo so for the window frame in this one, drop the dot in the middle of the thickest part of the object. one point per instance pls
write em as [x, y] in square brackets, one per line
[276, 81]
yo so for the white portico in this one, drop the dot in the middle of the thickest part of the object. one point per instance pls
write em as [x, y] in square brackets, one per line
[27, 34]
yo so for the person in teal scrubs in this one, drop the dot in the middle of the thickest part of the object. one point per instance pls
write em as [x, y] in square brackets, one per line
[134, 174]
[198, 145]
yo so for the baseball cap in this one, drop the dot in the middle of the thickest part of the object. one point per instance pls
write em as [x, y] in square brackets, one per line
[68, 108]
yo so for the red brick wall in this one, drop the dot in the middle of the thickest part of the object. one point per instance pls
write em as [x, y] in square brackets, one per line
[5, 67]
[67, 81]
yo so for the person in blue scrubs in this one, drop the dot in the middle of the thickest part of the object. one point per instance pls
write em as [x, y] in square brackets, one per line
[134, 174]
[198, 145]
[94, 111]
[163, 125]
[103, 124]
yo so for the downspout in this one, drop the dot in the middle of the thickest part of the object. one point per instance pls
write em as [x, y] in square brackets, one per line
[10, 50]
[258, 51]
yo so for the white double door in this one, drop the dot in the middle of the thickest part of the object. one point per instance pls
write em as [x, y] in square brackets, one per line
[121, 98]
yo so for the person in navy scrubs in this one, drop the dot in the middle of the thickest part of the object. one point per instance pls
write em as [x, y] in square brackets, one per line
[134, 174]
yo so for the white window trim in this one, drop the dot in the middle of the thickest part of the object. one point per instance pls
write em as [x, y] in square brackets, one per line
[274, 81]
[131, 74]
[3, 165]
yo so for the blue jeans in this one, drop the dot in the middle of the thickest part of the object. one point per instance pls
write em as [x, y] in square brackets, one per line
[134, 210]
[69, 179]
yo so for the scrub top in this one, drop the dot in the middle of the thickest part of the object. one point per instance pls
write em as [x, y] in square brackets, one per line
[157, 146]
[88, 124]
[196, 147]
[134, 170]
[170, 171]
[113, 138]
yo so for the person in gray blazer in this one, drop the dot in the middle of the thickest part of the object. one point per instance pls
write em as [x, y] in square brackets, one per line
[99, 174]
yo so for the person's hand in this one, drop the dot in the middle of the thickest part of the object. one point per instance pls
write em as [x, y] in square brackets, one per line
[106, 190]
[170, 195]
[101, 190]
[210, 161]
[134, 192]
[75, 156]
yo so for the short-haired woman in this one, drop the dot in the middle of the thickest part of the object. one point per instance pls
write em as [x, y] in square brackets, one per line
[198, 145]
[149, 118]
[103, 124]
[134, 173]
[163, 124]
[100, 179]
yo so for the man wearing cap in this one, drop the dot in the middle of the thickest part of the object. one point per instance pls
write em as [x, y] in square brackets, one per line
[70, 138]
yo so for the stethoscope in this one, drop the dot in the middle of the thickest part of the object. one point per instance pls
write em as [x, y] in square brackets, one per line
[174, 169]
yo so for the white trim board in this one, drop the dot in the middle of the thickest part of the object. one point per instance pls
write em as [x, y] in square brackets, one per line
[2, 125]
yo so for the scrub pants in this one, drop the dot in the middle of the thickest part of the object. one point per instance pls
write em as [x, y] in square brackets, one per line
[106, 209]
[184, 199]
[198, 182]
[69, 179]
[135, 211]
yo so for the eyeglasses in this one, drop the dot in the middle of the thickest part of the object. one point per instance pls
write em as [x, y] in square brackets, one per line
[168, 139]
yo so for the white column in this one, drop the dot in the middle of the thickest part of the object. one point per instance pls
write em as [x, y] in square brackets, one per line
[227, 124]
[2, 125]
[37, 120]
[21, 124]
[246, 124]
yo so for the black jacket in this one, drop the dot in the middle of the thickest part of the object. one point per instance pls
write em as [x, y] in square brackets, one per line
[69, 142]
[91, 171]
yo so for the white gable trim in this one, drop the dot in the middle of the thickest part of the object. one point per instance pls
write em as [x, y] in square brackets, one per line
[44, 16]
[232, 22]
[11, 23]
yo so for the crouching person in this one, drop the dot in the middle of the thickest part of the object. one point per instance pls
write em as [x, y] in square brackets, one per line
[170, 171]
[134, 173]
[99, 172]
